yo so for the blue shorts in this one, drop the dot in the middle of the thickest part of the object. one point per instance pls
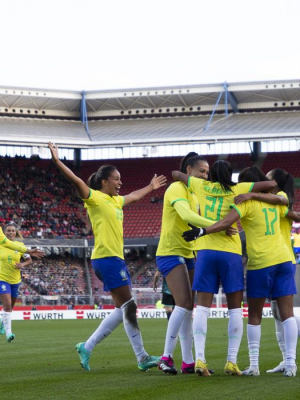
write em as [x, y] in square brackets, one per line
[9, 288]
[112, 271]
[272, 282]
[296, 250]
[165, 264]
[214, 267]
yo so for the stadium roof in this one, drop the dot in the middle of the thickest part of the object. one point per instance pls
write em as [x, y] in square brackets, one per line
[242, 111]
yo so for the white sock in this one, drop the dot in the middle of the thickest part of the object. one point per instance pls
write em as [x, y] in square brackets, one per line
[235, 333]
[186, 338]
[298, 324]
[132, 329]
[109, 324]
[291, 337]
[6, 317]
[200, 331]
[254, 335]
[280, 337]
[174, 324]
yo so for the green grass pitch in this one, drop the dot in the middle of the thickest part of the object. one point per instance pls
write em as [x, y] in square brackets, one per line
[42, 364]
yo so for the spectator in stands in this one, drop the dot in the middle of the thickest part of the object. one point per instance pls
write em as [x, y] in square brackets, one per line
[219, 259]
[10, 278]
[176, 261]
[104, 206]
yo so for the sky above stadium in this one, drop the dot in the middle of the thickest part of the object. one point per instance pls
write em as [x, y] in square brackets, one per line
[98, 44]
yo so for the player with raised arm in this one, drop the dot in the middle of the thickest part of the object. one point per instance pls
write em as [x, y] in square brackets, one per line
[10, 278]
[219, 260]
[270, 274]
[105, 209]
[285, 191]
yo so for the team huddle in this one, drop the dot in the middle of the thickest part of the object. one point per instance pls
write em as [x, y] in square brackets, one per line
[199, 249]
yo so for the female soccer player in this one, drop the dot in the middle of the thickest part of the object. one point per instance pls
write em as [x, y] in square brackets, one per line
[270, 271]
[175, 259]
[10, 278]
[219, 260]
[104, 207]
[285, 191]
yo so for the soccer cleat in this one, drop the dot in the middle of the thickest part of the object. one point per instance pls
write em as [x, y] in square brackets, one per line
[251, 371]
[232, 369]
[148, 362]
[10, 337]
[201, 368]
[167, 366]
[290, 371]
[2, 329]
[279, 368]
[187, 368]
[84, 356]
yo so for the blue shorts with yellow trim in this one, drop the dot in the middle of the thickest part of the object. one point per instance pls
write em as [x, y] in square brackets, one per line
[272, 282]
[9, 288]
[165, 264]
[112, 271]
[214, 267]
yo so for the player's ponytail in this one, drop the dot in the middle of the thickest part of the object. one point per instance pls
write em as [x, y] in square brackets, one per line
[92, 183]
[285, 182]
[221, 172]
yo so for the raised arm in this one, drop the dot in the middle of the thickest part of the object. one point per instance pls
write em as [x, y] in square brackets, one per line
[265, 197]
[180, 176]
[81, 187]
[17, 246]
[156, 183]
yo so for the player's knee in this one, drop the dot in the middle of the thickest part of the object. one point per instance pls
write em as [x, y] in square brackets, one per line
[130, 312]
[275, 310]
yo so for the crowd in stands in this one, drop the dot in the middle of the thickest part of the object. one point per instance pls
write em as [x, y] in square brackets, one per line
[39, 200]
[50, 276]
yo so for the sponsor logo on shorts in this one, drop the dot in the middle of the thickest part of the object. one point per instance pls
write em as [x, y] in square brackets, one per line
[3, 287]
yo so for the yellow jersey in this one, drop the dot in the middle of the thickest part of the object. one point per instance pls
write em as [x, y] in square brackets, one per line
[106, 216]
[286, 227]
[214, 205]
[296, 237]
[8, 272]
[264, 241]
[171, 242]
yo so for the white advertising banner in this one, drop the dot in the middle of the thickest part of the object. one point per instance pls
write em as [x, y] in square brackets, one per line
[142, 313]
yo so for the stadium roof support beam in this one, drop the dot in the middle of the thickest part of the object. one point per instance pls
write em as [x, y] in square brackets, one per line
[213, 112]
[83, 115]
[229, 96]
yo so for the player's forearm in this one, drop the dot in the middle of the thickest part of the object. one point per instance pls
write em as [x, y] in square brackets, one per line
[191, 217]
[139, 194]
[17, 246]
[270, 198]
[293, 215]
[180, 176]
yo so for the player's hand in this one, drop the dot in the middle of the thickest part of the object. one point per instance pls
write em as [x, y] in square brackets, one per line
[54, 151]
[18, 265]
[231, 231]
[36, 253]
[242, 197]
[193, 233]
[158, 181]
